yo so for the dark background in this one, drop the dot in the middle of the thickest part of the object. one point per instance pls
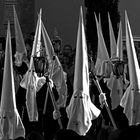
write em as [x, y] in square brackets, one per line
[63, 14]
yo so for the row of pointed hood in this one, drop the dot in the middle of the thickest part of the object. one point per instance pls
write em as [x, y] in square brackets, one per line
[130, 99]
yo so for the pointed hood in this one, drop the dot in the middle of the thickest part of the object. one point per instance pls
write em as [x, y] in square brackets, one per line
[81, 80]
[8, 84]
[55, 68]
[131, 98]
[134, 71]
[119, 52]
[36, 43]
[31, 75]
[55, 32]
[113, 45]
[10, 121]
[30, 80]
[102, 53]
[20, 44]
[116, 84]
[81, 110]
[48, 45]
[100, 24]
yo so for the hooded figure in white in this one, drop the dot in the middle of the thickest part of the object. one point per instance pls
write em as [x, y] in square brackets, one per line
[131, 99]
[81, 110]
[115, 83]
[11, 126]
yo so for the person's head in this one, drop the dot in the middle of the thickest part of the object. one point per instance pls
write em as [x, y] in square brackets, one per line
[56, 45]
[66, 60]
[28, 45]
[31, 35]
[67, 50]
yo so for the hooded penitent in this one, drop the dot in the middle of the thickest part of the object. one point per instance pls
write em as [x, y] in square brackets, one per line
[81, 110]
[102, 61]
[11, 126]
[20, 45]
[131, 98]
[31, 81]
[115, 84]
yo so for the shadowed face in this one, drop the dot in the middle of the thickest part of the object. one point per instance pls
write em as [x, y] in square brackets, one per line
[56, 46]
[28, 48]
[67, 50]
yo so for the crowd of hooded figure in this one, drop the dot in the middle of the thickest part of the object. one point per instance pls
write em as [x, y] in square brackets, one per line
[48, 125]
[19, 71]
